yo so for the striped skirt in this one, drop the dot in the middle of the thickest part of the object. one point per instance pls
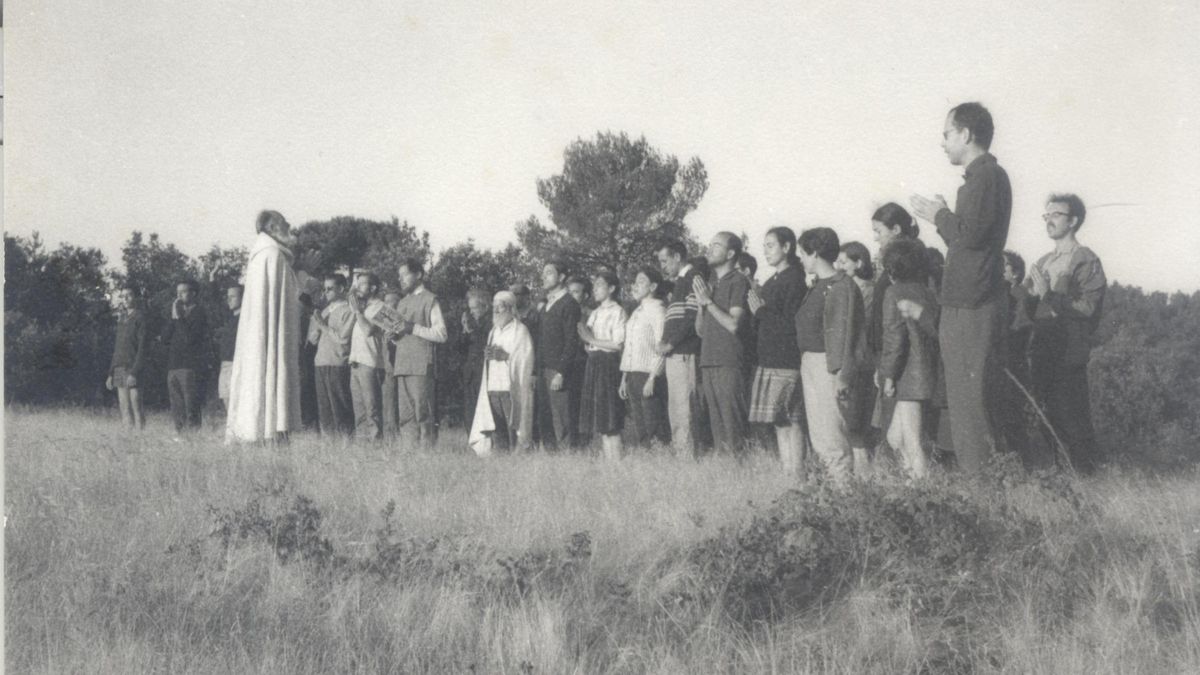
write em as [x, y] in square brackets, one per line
[776, 397]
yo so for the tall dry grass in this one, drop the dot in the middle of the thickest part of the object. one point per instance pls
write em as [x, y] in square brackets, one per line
[113, 567]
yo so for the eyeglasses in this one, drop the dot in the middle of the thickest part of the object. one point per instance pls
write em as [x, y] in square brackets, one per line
[331, 289]
[1048, 216]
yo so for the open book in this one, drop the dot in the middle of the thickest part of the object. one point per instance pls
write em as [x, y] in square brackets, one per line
[385, 317]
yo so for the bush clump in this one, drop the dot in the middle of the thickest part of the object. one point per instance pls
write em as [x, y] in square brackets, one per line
[939, 547]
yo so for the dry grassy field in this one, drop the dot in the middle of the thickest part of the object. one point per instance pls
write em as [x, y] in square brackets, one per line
[129, 553]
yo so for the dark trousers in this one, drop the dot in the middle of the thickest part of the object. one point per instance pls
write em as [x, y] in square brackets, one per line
[471, 379]
[414, 410]
[334, 402]
[183, 387]
[389, 406]
[573, 382]
[1062, 391]
[505, 435]
[728, 411]
[366, 391]
[973, 351]
[647, 416]
[553, 411]
[309, 411]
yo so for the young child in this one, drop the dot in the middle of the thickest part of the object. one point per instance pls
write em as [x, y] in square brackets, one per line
[642, 383]
[910, 357]
[855, 260]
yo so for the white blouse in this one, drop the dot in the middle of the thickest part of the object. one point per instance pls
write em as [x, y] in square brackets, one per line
[643, 332]
[608, 324]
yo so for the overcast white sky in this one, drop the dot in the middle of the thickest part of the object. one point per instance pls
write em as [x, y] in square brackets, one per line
[187, 118]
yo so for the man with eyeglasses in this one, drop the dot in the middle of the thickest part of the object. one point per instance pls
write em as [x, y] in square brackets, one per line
[330, 330]
[974, 301]
[1069, 283]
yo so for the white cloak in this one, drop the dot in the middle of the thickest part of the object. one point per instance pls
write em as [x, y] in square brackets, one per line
[515, 340]
[264, 386]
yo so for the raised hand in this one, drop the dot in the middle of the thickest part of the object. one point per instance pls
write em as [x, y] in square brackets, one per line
[910, 310]
[754, 300]
[585, 333]
[308, 261]
[927, 209]
[700, 290]
[1040, 280]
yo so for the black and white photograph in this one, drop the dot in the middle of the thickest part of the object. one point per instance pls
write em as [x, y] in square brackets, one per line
[633, 337]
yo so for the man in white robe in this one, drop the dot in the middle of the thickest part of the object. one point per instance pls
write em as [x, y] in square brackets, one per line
[264, 384]
[504, 407]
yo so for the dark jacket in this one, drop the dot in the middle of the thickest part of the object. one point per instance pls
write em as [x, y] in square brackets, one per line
[470, 348]
[975, 233]
[188, 341]
[129, 352]
[679, 331]
[843, 322]
[910, 356]
[776, 320]
[226, 337]
[1021, 306]
[558, 335]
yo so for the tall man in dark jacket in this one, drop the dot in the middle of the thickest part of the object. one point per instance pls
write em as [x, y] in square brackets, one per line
[555, 358]
[189, 347]
[973, 294]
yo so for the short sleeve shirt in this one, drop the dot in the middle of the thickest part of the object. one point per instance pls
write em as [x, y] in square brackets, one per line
[719, 347]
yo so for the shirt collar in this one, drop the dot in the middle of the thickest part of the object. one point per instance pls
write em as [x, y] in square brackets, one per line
[978, 163]
[1067, 252]
[683, 271]
[554, 295]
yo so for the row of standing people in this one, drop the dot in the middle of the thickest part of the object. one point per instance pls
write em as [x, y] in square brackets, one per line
[815, 347]
[919, 339]
[705, 347]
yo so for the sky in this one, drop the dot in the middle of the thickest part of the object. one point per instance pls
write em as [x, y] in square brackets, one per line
[187, 118]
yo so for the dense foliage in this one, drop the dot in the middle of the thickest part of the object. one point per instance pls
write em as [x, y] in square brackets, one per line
[613, 204]
[59, 326]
